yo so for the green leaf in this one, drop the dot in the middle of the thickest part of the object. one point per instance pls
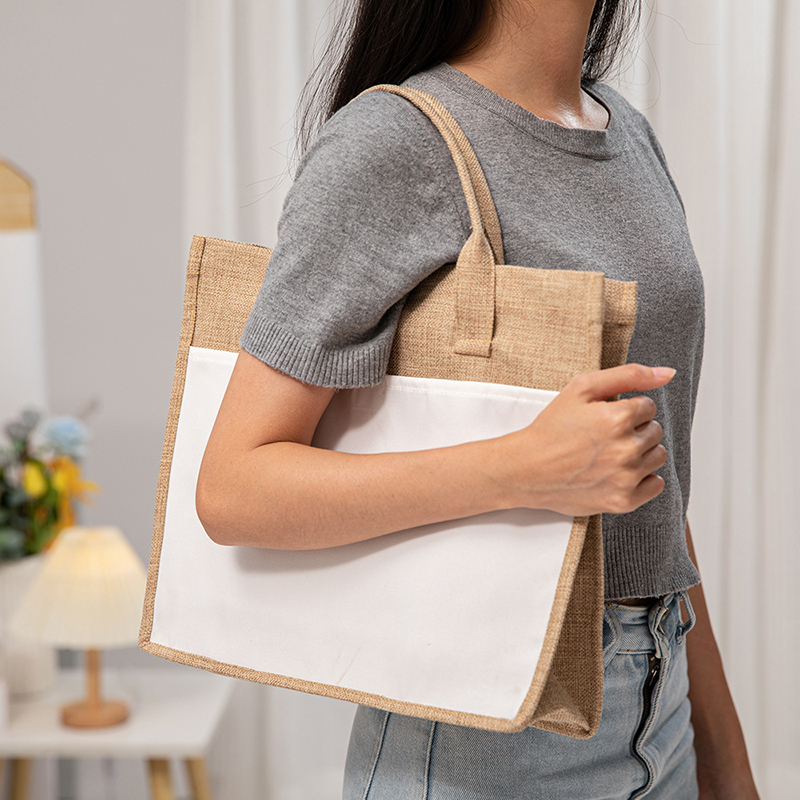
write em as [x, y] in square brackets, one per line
[50, 497]
[42, 534]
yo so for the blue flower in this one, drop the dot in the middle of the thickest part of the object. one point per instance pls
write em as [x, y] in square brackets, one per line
[67, 435]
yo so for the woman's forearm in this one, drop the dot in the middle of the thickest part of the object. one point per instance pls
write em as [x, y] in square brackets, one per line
[289, 496]
[261, 483]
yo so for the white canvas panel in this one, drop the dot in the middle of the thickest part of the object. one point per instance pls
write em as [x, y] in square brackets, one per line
[451, 615]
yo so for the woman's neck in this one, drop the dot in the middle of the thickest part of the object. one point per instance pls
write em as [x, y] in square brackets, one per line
[531, 52]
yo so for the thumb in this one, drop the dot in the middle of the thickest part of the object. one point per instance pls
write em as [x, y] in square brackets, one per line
[618, 380]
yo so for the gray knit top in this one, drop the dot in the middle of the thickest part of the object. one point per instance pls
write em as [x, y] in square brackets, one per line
[379, 181]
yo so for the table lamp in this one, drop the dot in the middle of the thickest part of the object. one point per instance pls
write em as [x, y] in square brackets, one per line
[88, 595]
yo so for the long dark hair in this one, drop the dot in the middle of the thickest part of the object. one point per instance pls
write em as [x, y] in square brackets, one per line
[387, 41]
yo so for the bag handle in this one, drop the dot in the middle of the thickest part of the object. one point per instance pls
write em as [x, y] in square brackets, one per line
[475, 268]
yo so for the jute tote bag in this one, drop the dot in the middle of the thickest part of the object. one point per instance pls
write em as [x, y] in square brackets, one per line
[494, 621]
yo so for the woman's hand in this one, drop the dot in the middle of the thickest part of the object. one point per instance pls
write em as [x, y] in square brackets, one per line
[583, 455]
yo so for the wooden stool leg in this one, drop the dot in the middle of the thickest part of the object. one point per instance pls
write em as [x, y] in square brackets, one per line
[20, 778]
[160, 783]
[198, 778]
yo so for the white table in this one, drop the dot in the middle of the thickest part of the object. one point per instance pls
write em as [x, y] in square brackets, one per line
[173, 714]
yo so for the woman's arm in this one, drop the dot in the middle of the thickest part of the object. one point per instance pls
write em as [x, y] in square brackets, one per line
[262, 484]
[723, 769]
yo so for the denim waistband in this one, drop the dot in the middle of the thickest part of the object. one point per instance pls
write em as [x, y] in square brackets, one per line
[646, 629]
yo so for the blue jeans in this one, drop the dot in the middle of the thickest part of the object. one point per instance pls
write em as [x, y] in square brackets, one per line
[643, 748]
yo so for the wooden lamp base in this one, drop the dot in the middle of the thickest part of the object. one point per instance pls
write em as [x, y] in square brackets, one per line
[94, 711]
[94, 715]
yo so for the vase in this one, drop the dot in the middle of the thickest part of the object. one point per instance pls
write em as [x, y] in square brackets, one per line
[27, 666]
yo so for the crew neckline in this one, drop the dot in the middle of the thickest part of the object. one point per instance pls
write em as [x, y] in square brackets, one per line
[601, 144]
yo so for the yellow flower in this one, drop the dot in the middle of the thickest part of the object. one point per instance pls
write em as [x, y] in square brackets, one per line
[70, 486]
[33, 480]
[62, 475]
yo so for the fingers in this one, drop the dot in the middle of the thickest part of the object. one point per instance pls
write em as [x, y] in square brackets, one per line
[649, 435]
[634, 414]
[618, 380]
[639, 483]
[642, 409]
[650, 487]
[609, 451]
[654, 459]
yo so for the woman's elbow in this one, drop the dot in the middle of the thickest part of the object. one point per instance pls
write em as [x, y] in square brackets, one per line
[210, 507]
[221, 514]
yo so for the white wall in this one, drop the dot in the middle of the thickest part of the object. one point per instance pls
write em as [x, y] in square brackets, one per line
[91, 106]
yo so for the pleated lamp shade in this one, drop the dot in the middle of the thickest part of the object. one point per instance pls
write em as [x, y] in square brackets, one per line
[88, 594]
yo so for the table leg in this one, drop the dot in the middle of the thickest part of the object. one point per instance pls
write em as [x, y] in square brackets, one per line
[198, 778]
[20, 778]
[160, 783]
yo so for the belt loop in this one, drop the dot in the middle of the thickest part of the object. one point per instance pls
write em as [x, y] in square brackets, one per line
[658, 612]
[685, 627]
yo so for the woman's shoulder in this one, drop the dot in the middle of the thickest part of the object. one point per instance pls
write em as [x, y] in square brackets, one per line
[365, 221]
[637, 125]
[631, 118]
[377, 134]
[377, 155]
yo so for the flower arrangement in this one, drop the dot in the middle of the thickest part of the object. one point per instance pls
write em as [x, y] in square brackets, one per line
[40, 484]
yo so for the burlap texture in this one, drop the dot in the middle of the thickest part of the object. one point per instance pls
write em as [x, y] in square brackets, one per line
[496, 323]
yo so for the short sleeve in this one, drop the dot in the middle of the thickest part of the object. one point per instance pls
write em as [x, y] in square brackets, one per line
[372, 212]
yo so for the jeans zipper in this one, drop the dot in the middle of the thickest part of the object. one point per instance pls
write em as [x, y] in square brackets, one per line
[653, 673]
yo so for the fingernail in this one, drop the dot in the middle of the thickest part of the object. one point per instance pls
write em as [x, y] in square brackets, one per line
[663, 372]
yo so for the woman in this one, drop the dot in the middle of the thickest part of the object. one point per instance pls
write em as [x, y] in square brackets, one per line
[580, 182]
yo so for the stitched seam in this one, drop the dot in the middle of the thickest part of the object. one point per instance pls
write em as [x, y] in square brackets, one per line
[656, 704]
[378, 750]
[426, 784]
[197, 291]
[425, 125]
[457, 199]
[613, 646]
[654, 710]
